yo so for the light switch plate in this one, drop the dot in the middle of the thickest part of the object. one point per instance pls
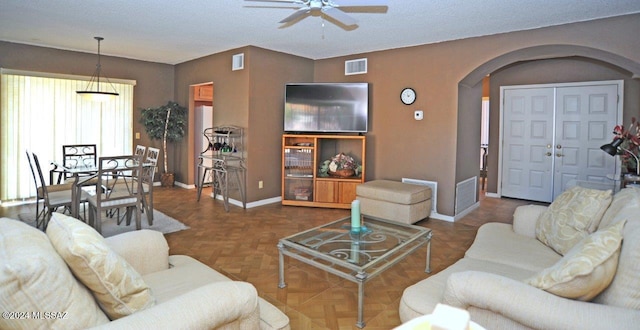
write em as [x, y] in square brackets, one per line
[418, 115]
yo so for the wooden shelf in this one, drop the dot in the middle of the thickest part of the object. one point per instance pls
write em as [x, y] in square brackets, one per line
[302, 156]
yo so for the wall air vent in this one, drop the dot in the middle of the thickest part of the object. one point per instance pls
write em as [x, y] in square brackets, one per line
[466, 194]
[358, 66]
[237, 62]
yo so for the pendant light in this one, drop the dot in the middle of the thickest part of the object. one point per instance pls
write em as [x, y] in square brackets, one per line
[98, 95]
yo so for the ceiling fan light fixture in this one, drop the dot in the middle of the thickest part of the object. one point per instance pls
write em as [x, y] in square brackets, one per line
[316, 4]
[97, 95]
[329, 8]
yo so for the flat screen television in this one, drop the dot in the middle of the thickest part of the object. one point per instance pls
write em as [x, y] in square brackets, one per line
[326, 107]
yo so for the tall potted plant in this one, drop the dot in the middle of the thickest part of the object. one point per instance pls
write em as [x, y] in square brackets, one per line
[165, 123]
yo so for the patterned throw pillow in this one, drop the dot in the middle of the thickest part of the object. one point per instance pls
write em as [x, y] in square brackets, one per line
[587, 269]
[571, 217]
[34, 279]
[117, 287]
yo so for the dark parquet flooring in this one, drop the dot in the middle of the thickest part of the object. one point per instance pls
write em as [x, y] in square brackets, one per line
[241, 244]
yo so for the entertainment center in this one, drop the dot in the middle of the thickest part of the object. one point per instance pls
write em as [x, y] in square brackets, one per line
[302, 181]
[324, 126]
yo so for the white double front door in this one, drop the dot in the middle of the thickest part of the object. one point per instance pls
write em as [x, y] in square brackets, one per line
[551, 134]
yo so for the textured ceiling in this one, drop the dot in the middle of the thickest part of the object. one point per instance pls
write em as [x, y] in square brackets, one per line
[176, 31]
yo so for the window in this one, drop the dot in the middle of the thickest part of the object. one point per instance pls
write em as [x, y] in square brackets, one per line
[41, 112]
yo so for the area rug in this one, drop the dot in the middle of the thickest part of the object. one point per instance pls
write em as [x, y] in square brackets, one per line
[161, 222]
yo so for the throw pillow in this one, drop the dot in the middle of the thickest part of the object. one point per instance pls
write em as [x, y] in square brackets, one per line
[117, 287]
[572, 216]
[34, 278]
[587, 269]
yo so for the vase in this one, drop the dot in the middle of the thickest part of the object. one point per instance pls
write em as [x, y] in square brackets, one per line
[166, 180]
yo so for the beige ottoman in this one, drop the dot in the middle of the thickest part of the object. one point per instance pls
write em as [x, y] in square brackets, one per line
[393, 200]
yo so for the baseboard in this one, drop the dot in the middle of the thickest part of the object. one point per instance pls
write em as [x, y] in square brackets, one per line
[467, 211]
[251, 204]
[231, 200]
[176, 183]
[438, 216]
[184, 185]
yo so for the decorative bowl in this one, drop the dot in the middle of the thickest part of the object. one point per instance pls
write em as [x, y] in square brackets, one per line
[343, 173]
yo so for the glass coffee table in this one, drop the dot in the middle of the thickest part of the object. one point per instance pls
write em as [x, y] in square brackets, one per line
[355, 256]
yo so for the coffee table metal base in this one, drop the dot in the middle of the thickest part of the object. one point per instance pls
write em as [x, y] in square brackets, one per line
[358, 275]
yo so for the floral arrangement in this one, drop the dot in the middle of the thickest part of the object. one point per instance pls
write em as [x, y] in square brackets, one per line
[340, 163]
[630, 141]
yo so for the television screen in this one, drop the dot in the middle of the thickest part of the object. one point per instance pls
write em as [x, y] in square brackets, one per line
[326, 107]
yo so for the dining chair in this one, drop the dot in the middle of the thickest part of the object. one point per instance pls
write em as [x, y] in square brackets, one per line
[39, 189]
[54, 196]
[77, 155]
[146, 176]
[148, 173]
[118, 186]
[140, 151]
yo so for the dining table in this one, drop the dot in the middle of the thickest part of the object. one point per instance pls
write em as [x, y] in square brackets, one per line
[83, 176]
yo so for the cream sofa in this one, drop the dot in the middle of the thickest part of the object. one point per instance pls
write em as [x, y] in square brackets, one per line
[38, 290]
[489, 281]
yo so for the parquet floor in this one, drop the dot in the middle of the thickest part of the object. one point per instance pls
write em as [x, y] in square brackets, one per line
[242, 245]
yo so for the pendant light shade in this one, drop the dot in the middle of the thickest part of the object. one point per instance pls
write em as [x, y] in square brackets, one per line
[93, 93]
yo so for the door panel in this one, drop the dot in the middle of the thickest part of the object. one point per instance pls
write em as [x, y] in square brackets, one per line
[528, 137]
[552, 135]
[585, 116]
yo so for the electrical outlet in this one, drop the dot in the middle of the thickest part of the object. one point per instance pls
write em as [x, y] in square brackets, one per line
[137, 135]
[260, 184]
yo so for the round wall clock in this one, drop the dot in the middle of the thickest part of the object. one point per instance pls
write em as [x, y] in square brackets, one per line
[408, 96]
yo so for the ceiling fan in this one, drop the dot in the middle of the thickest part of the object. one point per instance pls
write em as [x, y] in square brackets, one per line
[331, 8]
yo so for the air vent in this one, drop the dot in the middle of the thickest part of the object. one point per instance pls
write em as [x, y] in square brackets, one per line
[237, 62]
[466, 194]
[358, 66]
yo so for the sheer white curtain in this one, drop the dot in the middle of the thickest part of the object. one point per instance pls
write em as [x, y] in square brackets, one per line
[41, 112]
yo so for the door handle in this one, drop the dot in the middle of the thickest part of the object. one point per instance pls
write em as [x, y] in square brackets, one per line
[559, 155]
[548, 154]
[559, 147]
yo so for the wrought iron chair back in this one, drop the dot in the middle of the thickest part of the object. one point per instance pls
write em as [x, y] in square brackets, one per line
[119, 187]
[77, 155]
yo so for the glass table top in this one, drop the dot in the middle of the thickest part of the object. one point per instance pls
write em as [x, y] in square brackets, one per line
[377, 240]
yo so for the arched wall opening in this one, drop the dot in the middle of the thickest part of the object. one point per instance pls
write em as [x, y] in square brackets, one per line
[539, 64]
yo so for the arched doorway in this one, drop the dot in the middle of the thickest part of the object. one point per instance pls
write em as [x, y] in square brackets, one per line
[470, 93]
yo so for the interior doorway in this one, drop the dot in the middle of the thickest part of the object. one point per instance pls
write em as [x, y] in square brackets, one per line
[202, 111]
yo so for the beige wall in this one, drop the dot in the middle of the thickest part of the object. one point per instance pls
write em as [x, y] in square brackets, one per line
[251, 98]
[270, 71]
[447, 77]
[230, 100]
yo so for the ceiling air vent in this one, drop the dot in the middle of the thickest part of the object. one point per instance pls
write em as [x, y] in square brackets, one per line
[237, 62]
[358, 66]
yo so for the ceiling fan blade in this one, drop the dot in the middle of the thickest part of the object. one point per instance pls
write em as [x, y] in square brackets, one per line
[284, 5]
[297, 14]
[281, 1]
[358, 3]
[339, 16]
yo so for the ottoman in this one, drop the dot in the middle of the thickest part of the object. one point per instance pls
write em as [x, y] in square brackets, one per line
[393, 200]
